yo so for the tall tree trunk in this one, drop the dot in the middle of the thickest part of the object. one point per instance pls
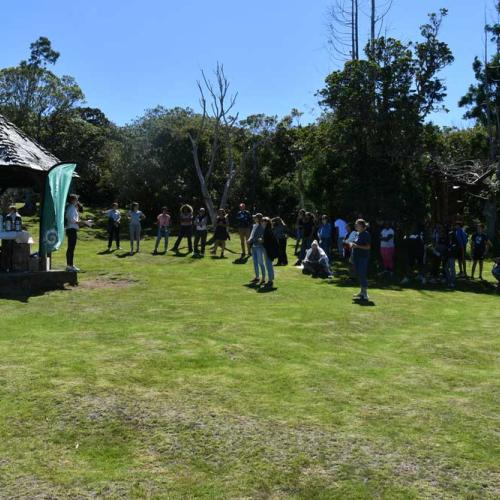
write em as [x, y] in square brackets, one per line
[373, 22]
[203, 185]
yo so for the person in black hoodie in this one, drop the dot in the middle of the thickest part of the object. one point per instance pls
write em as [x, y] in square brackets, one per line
[271, 250]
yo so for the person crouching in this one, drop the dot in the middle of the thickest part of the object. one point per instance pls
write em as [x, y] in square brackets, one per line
[316, 261]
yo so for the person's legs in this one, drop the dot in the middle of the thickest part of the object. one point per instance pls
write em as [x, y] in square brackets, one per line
[306, 243]
[326, 245]
[189, 236]
[298, 242]
[197, 236]
[241, 232]
[473, 271]
[340, 246]
[269, 267]
[110, 235]
[132, 237]
[117, 236]
[203, 238]
[361, 265]
[158, 239]
[247, 235]
[137, 237]
[481, 269]
[70, 252]
[258, 262]
[223, 247]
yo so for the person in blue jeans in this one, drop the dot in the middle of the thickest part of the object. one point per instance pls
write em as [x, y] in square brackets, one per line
[256, 240]
[270, 244]
[361, 256]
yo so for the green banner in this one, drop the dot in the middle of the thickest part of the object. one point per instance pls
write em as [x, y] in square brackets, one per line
[56, 192]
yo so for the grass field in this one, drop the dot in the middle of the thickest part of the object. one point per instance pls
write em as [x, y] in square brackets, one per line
[166, 377]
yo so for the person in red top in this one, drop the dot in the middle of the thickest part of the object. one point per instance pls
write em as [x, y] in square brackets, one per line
[163, 221]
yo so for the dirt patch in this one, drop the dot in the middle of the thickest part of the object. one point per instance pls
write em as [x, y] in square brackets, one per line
[105, 283]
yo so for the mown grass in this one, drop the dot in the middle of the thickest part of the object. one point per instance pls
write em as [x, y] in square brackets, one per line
[163, 376]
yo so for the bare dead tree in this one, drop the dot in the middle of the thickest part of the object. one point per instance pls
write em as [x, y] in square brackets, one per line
[216, 105]
[343, 26]
[343, 29]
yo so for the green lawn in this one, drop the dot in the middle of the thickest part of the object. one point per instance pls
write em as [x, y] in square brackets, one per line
[166, 377]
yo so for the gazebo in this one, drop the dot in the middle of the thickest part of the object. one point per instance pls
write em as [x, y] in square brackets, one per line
[26, 164]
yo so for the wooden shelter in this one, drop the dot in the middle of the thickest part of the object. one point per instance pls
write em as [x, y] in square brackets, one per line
[25, 164]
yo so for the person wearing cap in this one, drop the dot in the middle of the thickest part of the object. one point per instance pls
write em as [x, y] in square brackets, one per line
[244, 226]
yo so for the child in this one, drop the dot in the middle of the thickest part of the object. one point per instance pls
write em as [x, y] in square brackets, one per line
[480, 244]
[325, 235]
[114, 218]
[387, 248]
[201, 231]
[135, 217]
[279, 230]
[256, 240]
[185, 227]
[220, 234]
[163, 221]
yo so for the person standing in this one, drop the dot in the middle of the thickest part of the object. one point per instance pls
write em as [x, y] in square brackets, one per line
[387, 248]
[257, 241]
[461, 238]
[340, 232]
[114, 218]
[307, 236]
[279, 230]
[135, 217]
[361, 256]
[451, 254]
[221, 234]
[72, 217]
[200, 232]
[185, 227]
[270, 250]
[244, 226]
[325, 232]
[480, 244]
[163, 221]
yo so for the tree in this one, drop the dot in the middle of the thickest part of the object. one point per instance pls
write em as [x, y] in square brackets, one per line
[30, 92]
[376, 110]
[216, 117]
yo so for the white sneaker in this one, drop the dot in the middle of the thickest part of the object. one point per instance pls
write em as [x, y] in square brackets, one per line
[73, 269]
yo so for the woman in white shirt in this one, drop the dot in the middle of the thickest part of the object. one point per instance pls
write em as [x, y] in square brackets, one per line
[72, 226]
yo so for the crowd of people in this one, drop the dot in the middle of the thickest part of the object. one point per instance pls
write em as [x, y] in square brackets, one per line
[424, 253]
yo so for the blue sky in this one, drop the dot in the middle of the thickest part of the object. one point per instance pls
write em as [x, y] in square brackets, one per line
[131, 55]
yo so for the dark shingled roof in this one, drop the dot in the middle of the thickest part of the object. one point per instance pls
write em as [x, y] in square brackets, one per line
[22, 160]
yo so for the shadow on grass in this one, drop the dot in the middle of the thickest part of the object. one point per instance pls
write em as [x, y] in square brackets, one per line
[242, 260]
[123, 255]
[363, 303]
[107, 252]
[260, 288]
[25, 296]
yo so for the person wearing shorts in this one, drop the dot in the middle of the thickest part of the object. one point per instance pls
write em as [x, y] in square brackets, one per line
[244, 226]
[480, 244]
